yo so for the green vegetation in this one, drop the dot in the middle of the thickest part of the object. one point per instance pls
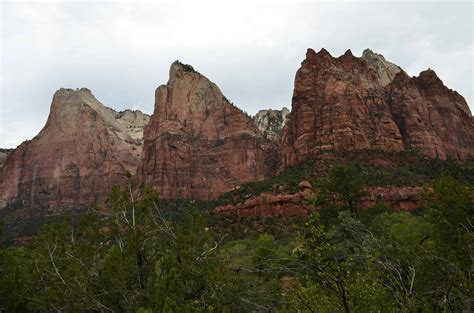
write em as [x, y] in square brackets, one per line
[140, 254]
[375, 168]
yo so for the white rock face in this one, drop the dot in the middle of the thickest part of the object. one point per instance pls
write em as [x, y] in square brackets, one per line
[384, 69]
[133, 122]
[271, 122]
[126, 124]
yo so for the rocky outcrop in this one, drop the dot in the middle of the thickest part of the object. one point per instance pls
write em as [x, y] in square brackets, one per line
[297, 204]
[3, 156]
[268, 204]
[133, 121]
[82, 151]
[197, 144]
[431, 117]
[384, 70]
[338, 104]
[350, 103]
[397, 198]
[271, 122]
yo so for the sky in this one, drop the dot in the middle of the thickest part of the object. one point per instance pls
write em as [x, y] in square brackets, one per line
[123, 50]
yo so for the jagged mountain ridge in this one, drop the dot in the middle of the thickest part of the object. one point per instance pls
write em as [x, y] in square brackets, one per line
[344, 103]
[199, 145]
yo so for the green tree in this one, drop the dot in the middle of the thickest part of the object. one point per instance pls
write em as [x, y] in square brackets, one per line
[343, 188]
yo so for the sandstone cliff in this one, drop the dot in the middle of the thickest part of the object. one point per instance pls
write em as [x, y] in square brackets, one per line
[82, 151]
[384, 70]
[431, 117]
[350, 103]
[197, 144]
[338, 104]
[3, 156]
[271, 122]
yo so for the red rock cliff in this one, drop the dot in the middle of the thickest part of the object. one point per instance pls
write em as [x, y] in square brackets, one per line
[432, 118]
[82, 151]
[338, 103]
[197, 144]
[351, 103]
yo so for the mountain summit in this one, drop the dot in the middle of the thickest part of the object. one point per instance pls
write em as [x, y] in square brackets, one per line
[82, 151]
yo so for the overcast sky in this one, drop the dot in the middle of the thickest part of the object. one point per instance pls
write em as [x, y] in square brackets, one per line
[122, 51]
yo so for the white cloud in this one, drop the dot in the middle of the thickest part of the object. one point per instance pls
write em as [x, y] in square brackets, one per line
[122, 50]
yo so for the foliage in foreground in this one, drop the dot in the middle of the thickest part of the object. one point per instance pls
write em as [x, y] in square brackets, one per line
[343, 259]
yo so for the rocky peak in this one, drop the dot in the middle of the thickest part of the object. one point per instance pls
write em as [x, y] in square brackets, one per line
[350, 103]
[338, 104]
[384, 70]
[429, 79]
[197, 144]
[431, 117]
[271, 122]
[178, 69]
[81, 152]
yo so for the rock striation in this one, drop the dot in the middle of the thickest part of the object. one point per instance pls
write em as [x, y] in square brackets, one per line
[431, 117]
[271, 122]
[199, 145]
[350, 103]
[338, 104]
[83, 150]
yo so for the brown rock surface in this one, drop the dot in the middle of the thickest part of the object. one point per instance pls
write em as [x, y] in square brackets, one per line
[397, 198]
[350, 103]
[338, 104]
[267, 204]
[432, 118]
[82, 151]
[3, 156]
[197, 144]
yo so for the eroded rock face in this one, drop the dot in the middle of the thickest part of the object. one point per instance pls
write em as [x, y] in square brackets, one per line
[397, 198]
[268, 204]
[3, 156]
[431, 117]
[297, 204]
[197, 144]
[338, 104]
[350, 103]
[133, 121]
[82, 151]
[384, 70]
[271, 122]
